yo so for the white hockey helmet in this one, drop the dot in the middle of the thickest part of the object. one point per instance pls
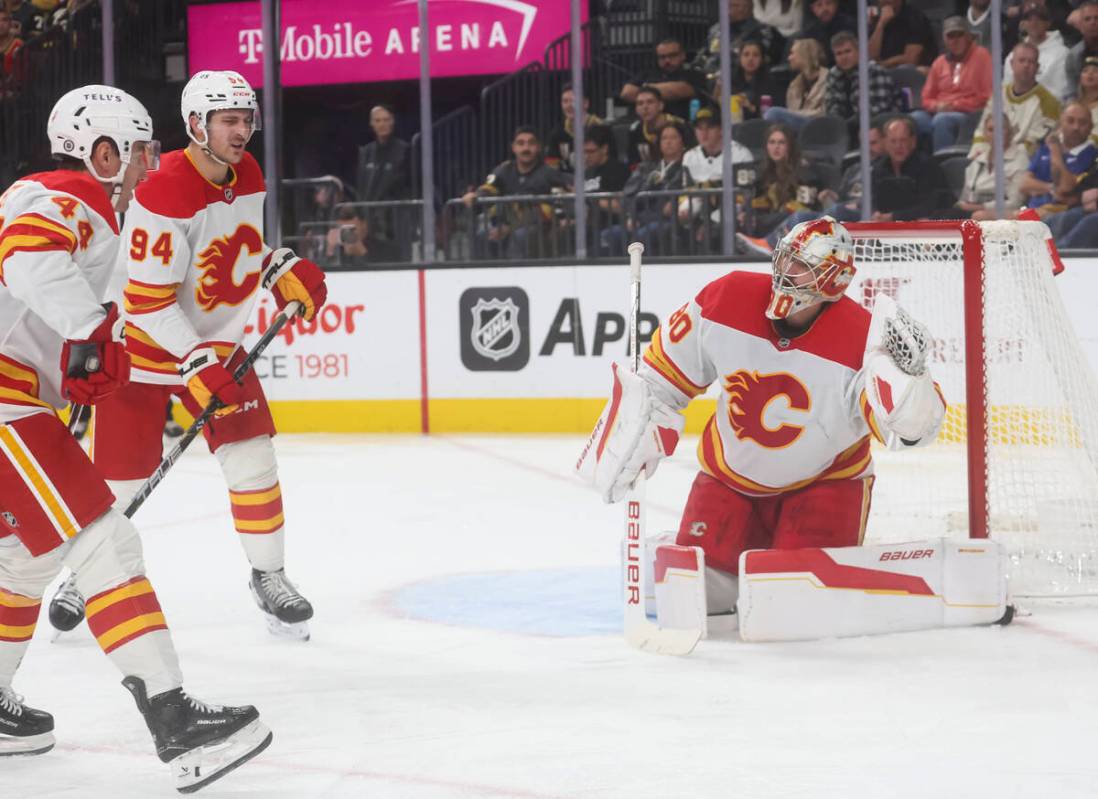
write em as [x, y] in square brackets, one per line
[813, 263]
[83, 116]
[213, 90]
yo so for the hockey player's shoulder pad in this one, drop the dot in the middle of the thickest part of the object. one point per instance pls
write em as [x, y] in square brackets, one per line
[82, 187]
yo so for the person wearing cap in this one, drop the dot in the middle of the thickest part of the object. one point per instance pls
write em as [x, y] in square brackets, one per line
[804, 98]
[703, 168]
[959, 84]
[1029, 113]
[901, 35]
[1086, 17]
[1051, 51]
[560, 145]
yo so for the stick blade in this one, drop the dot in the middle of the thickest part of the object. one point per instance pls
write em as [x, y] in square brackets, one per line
[652, 638]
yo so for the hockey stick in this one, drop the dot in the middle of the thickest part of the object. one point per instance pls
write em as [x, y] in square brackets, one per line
[192, 432]
[640, 631]
[185, 440]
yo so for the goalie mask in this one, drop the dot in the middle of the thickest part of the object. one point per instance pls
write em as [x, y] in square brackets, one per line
[813, 263]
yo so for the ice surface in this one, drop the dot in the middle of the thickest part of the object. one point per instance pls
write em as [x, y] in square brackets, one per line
[425, 557]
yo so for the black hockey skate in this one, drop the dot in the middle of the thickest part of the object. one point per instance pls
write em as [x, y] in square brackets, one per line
[66, 607]
[200, 742]
[23, 730]
[285, 609]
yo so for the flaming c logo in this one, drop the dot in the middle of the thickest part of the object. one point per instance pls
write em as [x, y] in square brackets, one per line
[216, 285]
[749, 395]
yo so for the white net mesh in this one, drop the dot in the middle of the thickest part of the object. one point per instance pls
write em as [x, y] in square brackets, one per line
[1042, 405]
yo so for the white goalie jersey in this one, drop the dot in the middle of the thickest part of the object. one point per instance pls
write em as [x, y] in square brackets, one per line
[791, 411]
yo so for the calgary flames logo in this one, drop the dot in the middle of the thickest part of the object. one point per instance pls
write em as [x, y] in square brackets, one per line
[217, 262]
[749, 395]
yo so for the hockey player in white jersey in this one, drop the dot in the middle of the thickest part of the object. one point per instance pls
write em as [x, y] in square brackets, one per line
[196, 261]
[806, 383]
[58, 243]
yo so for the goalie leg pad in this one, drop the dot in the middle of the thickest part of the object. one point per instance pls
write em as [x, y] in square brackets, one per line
[679, 580]
[635, 431]
[807, 594]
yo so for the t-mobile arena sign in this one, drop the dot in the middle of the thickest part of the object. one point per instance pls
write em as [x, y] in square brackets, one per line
[352, 41]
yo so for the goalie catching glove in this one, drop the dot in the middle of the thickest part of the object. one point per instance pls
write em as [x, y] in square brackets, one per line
[906, 402]
[635, 431]
[289, 277]
[94, 367]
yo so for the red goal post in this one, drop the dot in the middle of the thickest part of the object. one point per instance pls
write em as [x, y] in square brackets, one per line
[1021, 436]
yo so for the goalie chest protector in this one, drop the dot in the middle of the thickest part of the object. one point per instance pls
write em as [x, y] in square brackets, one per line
[790, 410]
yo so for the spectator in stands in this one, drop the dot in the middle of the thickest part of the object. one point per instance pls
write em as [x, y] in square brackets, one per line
[347, 242]
[959, 84]
[785, 15]
[603, 174]
[750, 81]
[901, 34]
[1066, 153]
[1052, 52]
[978, 20]
[703, 168]
[518, 229]
[804, 98]
[907, 184]
[1088, 47]
[844, 204]
[642, 133]
[1077, 228]
[742, 27]
[1030, 111]
[787, 183]
[841, 94]
[1087, 92]
[10, 56]
[384, 176]
[827, 20]
[560, 145]
[677, 83]
[651, 219]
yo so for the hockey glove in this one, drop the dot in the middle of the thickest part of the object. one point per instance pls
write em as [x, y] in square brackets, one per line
[635, 431]
[206, 378]
[96, 366]
[289, 277]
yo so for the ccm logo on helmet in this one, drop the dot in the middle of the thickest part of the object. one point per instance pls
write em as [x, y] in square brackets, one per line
[909, 554]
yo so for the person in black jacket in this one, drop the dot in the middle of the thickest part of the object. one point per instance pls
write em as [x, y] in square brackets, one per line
[520, 229]
[383, 174]
[908, 184]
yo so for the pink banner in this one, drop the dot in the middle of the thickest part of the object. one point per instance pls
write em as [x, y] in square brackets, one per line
[352, 41]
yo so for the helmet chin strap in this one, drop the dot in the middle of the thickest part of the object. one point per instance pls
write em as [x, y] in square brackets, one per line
[204, 146]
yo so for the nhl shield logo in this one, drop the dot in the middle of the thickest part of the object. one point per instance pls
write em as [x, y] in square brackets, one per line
[495, 329]
[495, 333]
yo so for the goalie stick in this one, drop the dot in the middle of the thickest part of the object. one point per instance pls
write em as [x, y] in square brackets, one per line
[191, 433]
[640, 631]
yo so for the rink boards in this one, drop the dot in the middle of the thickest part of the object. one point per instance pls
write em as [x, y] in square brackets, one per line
[514, 349]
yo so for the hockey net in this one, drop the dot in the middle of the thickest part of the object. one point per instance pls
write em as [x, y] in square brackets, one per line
[1017, 458]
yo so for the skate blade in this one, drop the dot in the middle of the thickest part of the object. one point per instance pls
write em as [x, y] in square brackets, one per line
[13, 746]
[199, 767]
[298, 631]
